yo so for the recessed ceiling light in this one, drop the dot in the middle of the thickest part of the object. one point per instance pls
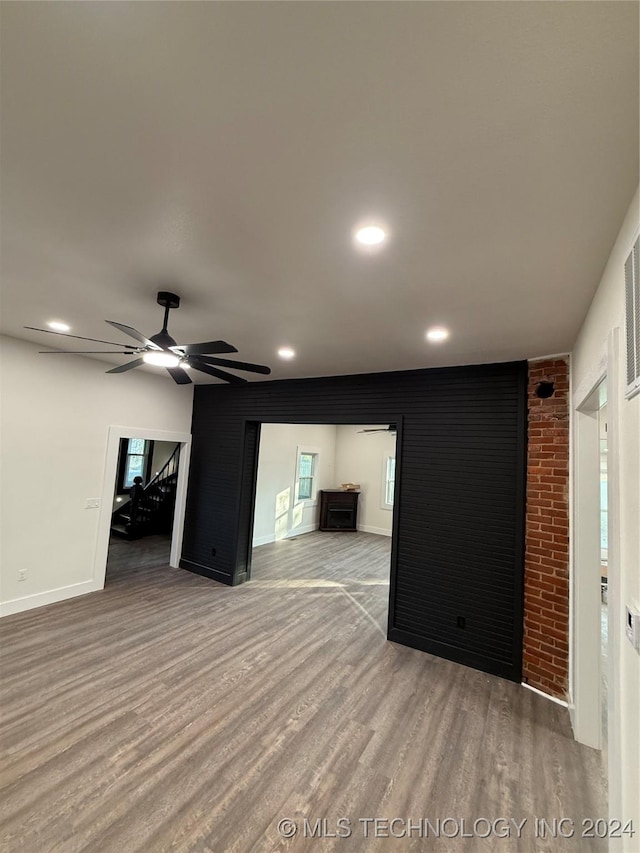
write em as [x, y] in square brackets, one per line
[57, 326]
[370, 235]
[437, 334]
[286, 352]
[161, 359]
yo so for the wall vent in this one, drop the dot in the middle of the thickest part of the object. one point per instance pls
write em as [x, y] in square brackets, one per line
[632, 302]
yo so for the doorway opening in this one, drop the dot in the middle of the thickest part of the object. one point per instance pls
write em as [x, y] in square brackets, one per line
[143, 506]
[109, 503]
[604, 561]
[324, 512]
[592, 571]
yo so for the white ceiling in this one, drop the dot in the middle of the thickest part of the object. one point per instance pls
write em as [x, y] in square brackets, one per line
[226, 150]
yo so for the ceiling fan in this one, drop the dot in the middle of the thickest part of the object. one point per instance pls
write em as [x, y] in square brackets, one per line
[162, 350]
[392, 428]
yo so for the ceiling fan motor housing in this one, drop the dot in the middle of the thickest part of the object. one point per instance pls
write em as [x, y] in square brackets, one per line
[163, 339]
[168, 301]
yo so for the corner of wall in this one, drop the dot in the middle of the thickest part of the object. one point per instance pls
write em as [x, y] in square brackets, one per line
[546, 600]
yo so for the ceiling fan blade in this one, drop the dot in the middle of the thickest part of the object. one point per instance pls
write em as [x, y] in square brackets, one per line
[122, 368]
[221, 374]
[86, 352]
[133, 333]
[179, 375]
[239, 365]
[77, 337]
[208, 347]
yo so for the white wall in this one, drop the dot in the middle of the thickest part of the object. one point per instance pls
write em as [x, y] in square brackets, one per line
[359, 459]
[594, 353]
[55, 418]
[277, 519]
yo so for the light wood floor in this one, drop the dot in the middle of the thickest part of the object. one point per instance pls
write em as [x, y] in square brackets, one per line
[170, 713]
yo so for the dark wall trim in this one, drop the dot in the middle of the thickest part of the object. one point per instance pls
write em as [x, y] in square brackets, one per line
[521, 514]
[458, 543]
[205, 571]
[393, 575]
[246, 508]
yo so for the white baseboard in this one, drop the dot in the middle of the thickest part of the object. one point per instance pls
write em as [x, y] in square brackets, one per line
[297, 531]
[572, 713]
[41, 599]
[379, 531]
[300, 531]
[263, 540]
[309, 528]
[546, 695]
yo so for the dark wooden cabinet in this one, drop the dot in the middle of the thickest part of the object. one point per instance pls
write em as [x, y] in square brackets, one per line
[338, 510]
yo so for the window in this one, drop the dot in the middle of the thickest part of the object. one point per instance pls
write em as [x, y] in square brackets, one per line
[389, 482]
[135, 459]
[306, 472]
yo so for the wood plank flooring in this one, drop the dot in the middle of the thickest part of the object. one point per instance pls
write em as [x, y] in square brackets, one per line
[171, 713]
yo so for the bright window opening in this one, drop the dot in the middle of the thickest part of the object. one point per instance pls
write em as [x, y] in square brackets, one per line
[389, 484]
[305, 475]
[137, 453]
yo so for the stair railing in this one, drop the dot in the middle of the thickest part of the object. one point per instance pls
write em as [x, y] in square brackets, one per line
[169, 468]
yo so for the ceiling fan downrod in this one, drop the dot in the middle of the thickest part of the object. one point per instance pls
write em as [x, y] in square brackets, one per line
[168, 301]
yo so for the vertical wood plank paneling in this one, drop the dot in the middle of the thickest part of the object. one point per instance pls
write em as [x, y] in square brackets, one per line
[458, 538]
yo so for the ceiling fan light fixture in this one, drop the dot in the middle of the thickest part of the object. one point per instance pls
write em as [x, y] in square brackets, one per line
[161, 359]
[58, 326]
[286, 352]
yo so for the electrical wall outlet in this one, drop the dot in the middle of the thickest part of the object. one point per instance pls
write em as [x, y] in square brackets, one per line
[632, 627]
[22, 574]
[93, 503]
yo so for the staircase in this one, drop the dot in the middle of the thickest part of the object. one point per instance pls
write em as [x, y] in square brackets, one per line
[154, 513]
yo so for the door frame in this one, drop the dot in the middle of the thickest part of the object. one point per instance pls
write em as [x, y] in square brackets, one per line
[115, 434]
[586, 640]
[585, 678]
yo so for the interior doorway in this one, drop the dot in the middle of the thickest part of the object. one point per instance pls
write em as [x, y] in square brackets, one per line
[143, 506]
[604, 562]
[324, 512]
[592, 571]
[132, 442]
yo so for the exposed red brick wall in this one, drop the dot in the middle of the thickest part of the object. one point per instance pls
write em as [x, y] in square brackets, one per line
[546, 600]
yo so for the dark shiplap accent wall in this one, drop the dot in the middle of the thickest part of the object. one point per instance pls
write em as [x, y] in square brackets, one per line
[457, 554]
